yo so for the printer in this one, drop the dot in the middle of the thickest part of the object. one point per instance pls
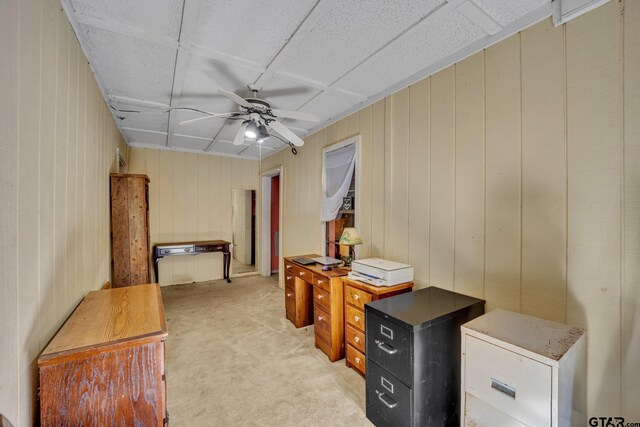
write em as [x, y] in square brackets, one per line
[380, 272]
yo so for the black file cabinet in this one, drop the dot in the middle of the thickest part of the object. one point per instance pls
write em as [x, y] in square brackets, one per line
[413, 357]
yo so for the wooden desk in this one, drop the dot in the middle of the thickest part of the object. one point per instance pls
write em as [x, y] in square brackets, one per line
[161, 250]
[356, 295]
[105, 366]
[315, 296]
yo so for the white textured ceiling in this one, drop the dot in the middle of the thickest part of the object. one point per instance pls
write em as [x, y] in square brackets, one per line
[327, 57]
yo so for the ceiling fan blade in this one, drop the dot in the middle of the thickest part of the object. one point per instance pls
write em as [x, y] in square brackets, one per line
[205, 117]
[286, 133]
[239, 139]
[235, 98]
[296, 115]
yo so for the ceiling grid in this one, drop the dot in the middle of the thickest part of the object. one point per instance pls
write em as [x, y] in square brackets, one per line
[325, 57]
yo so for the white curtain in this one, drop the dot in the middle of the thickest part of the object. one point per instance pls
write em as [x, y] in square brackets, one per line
[338, 170]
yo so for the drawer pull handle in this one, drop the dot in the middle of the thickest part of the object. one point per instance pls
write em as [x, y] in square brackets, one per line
[356, 296]
[320, 281]
[288, 267]
[319, 296]
[356, 318]
[390, 403]
[289, 277]
[301, 273]
[289, 294]
[357, 360]
[386, 347]
[320, 318]
[503, 388]
[357, 339]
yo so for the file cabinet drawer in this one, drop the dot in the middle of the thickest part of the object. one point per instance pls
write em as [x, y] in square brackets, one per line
[389, 345]
[388, 399]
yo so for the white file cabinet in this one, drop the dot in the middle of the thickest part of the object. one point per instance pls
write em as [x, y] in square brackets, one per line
[519, 370]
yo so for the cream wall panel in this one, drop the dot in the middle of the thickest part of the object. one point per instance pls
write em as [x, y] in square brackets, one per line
[544, 189]
[363, 203]
[9, 86]
[378, 179]
[418, 195]
[190, 199]
[469, 176]
[28, 295]
[442, 173]
[57, 145]
[594, 196]
[398, 198]
[503, 169]
[631, 234]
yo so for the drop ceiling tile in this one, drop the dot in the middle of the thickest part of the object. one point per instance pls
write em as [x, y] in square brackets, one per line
[206, 128]
[285, 94]
[157, 17]
[326, 105]
[153, 122]
[255, 152]
[225, 148]
[205, 76]
[251, 29]
[348, 32]
[182, 141]
[507, 11]
[144, 137]
[437, 37]
[131, 67]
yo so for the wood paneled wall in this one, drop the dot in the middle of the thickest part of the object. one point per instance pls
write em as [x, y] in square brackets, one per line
[57, 146]
[511, 176]
[190, 199]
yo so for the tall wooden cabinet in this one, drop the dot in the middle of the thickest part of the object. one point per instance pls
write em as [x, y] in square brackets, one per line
[130, 229]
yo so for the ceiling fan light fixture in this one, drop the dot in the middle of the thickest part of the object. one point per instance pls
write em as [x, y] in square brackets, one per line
[252, 130]
[263, 133]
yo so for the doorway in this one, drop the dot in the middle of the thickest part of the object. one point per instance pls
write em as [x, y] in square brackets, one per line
[271, 231]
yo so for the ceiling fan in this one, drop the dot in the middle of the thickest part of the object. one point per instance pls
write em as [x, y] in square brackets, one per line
[258, 118]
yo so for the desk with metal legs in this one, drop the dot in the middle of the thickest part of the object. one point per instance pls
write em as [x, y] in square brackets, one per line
[161, 250]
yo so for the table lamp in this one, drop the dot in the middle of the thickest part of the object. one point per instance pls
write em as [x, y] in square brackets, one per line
[350, 238]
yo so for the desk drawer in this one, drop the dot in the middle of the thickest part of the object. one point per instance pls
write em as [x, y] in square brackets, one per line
[356, 359]
[356, 297]
[321, 282]
[389, 345]
[289, 279]
[354, 317]
[322, 298]
[355, 338]
[322, 324]
[290, 300]
[301, 273]
[512, 383]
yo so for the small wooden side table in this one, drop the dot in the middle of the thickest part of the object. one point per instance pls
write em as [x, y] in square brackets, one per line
[356, 295]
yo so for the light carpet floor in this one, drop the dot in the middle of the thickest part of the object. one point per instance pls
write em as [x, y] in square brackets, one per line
[232, 359]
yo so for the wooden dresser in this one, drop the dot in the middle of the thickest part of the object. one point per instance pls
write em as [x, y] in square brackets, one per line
[316, 296]
[130, 248]
[105, 366]
[356, 295]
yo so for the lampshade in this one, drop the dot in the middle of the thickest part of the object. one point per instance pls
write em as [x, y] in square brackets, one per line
[350, 237]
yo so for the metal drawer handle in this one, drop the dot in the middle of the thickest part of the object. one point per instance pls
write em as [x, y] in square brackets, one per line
[288, 267]
[320, 281]
[357, 360]
[302, 273]
[390, 403]
[357, 339]
[289, 294]
[320, 318]
[289, 277]
[503, 388]
[319, 296]
[355, 296]
[356, 318]
[386, 347]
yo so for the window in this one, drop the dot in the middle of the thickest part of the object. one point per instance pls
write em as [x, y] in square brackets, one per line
[339, 192]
